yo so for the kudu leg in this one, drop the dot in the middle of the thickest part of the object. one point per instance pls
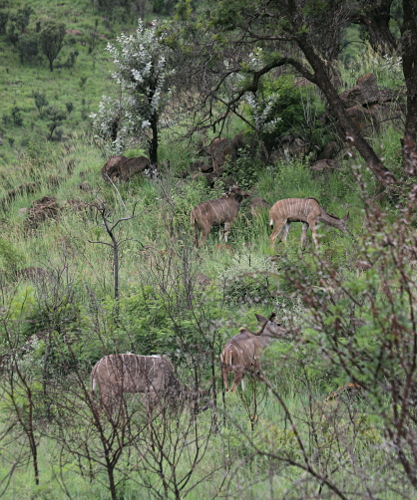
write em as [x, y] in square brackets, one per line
[304, 234]
[278, 226]
[314, 233]
[225, 375]
[226, 231]
[204, 235]
[284, 232]
[236, 381]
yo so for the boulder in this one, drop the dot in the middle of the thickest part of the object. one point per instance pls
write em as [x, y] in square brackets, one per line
[330, 151]
[364, 93]
[256, 205]
[41, 210]
[85, 186]
[324, 165]
[25, 188]
[220, 150]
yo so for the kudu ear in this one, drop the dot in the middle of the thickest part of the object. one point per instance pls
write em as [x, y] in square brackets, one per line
[346, 217]
[260, 318]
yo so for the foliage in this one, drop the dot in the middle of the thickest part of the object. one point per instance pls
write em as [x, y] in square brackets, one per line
[28, 46]
[40, 101]
[51, 40]
[142, 73]
[55, 117]
[249, 280]
[11, 258]
[279, 108]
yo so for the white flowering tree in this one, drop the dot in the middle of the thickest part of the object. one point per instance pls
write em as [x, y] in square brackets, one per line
[143, 75]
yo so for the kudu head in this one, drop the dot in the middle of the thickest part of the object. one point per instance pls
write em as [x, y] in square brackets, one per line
[236, 193]
[270, 329]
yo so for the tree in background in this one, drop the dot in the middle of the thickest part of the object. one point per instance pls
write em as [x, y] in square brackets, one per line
[55, 117]
[304, 35]
[143, 75]
[51, 39]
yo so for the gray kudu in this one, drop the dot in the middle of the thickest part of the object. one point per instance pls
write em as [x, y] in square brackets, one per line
[153, 376]
[242, 353]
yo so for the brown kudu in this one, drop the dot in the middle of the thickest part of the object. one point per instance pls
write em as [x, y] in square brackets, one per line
[216, 212]
[306, 210]
[242, 352]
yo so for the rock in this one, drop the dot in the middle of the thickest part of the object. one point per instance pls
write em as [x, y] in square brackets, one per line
[330, 151]
[256, 205]
[363, 118]
[365, 92]
[221, 150]
[41, 210]
[85, 186]
[324, 164]
[25, 188]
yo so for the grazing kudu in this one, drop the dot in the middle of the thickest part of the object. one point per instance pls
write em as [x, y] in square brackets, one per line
[242, 352]
[216, 212]
[152, 376]
[306, 210]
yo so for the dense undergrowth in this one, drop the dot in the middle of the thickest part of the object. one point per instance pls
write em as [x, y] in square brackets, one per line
[185, 304]
[336, 415]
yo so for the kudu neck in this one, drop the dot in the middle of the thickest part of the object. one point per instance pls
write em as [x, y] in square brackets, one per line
[331, 221]
[265, 339]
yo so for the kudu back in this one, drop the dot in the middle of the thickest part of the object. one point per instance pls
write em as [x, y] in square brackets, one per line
[152, 376]
[242, 353]
[306, 210]
[215, 213]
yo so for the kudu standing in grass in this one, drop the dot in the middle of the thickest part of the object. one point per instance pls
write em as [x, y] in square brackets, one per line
[242, 353]
[217, 212]
[152, 376]
[306, 210]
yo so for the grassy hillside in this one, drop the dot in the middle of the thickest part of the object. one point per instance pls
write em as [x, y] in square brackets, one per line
[80, 78]
[348, 308]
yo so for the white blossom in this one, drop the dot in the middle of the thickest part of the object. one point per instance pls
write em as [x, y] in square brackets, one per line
[142, 74]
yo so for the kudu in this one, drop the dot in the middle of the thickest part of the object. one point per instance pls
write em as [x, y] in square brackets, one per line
[216, 212]
[306, 210]
[242, 352]
[152, 376]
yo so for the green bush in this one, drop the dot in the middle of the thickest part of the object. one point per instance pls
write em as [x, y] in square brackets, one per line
[11, 258]
[251, 279]
[282, 108]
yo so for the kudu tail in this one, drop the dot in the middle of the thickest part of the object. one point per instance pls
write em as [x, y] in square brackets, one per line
[92, 383]
[193, 223]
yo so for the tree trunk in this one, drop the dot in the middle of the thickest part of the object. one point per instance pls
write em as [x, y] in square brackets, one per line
[384, 176]
[376, 23]
[153, 143]
[409, 61]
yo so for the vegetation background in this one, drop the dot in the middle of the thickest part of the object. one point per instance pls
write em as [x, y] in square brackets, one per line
[336, 416]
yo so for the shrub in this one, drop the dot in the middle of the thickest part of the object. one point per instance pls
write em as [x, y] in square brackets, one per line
[28, 46]
[4, 17]
[251, 280]
[11, 258]
[281, 108]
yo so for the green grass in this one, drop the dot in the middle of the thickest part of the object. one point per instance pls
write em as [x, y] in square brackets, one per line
[163, 308]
